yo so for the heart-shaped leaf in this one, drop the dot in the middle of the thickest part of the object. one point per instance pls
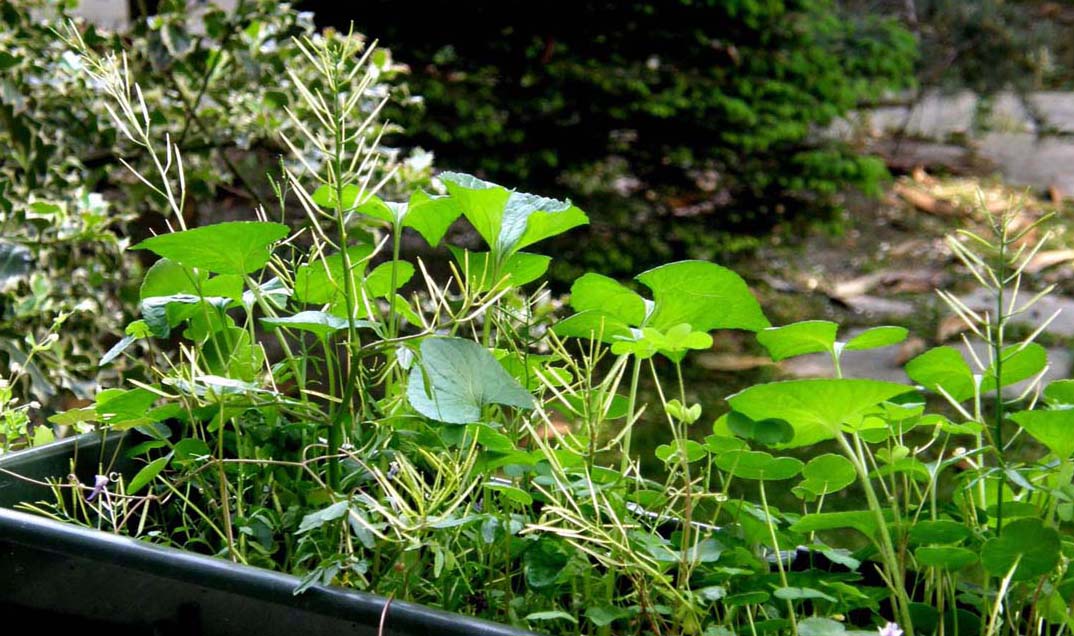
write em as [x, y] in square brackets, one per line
[234, 247]
[456, 378]
[1060, 393]
[593, 292]
[1020, 362]
[519, 268]
[799, 338]
[817, 409]
[322, 281]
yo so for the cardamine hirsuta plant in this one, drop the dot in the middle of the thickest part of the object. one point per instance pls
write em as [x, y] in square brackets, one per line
[333, 409]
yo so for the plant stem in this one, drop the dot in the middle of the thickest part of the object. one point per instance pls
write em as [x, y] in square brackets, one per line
[631, 404]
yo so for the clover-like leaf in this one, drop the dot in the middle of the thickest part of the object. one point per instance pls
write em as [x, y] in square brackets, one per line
[456, 378]
[817, 409]
[234, 247]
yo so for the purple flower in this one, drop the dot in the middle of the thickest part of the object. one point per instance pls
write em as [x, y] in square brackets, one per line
[890, 629]
[99, 484]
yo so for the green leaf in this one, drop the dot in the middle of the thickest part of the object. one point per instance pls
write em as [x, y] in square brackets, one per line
[513, 493]
[123, 409]
[758, 465]
[508, 220]
[603, 615]
[593, 324]
[1054, 429]
[1027, 542]
[431, 216]
[876, 337]
[938, 531]
[1020, 362]
[322, 280]
[456, 378]
[824, 475]
[378, 284]
[800, 338]
[147, 474]
[519, 269]
[553, 615]
[943, 368]
[318, 323]
[861, 520]
[816, 626]
[770, 432]
[234, 247]
[325, 515]
[543, 562]
[945, 557]
[801, 593]
[1060, 393]
[593, 292]
[817, 409]
[702, 295]
[162, 313]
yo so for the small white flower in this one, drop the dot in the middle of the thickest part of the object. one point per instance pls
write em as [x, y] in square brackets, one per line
[890, 629]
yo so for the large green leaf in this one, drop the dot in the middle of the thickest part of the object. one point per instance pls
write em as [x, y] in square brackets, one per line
[702, 295]
[817, 409]
[508, 220]
[943, 368]
[456, 378]
[234, 247]
[788, 341]
[600, 293]
[593, 324]
[430, 216]
[1054, 429]
[1027, 542]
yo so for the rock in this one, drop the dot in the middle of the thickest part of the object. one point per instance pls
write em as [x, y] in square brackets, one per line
[1056, 108]
[1024, 159]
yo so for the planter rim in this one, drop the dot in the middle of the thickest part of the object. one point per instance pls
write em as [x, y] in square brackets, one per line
[209, 572]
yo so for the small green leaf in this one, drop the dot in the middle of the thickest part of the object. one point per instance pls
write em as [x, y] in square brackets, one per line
[788, 341]
[1060, 393]
[593, 324]
[553, 615]
[603, 615]
[826, 474]
[325, 515]
[234, 247]
[770, 432]
[543, 562]
[462, 378]
[876, 337]
[519, 269]
[861, 520]
[801, 593]
[147, 474]
[322, 280]
[378, 283]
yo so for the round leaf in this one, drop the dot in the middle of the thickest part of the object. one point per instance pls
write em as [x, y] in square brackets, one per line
[1027, 542]
[758, 465]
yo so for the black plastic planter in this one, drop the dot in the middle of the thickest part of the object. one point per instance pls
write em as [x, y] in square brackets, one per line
[60, 576]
